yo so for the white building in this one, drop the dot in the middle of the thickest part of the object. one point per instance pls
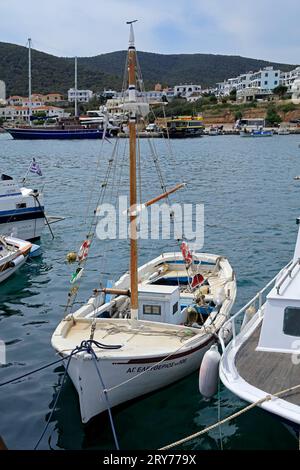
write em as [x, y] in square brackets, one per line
[265, 80]
[194, 97]
[287, 78]
[83, 96]
[186, 90]
[13, 113]
[295, 89]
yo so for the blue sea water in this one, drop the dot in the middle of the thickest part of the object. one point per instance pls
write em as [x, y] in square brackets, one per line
[251, 203]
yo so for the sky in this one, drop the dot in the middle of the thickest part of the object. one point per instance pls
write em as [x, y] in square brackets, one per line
[261, 29]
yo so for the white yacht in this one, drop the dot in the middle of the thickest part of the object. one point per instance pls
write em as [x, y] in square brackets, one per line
[262, 362]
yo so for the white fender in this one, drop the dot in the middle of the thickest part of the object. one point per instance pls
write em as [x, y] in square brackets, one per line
[209, 372]
[220, 296]
[17, 261]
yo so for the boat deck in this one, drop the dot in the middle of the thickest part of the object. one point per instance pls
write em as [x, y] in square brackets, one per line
[148, 336]
[270, 372]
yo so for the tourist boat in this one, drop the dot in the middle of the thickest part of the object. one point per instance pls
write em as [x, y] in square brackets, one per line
[262, 360]
[146, 330]
[64, 129]
[55, 132]
[21, 210]
[256, 133]
[184, 126]
[13, 254]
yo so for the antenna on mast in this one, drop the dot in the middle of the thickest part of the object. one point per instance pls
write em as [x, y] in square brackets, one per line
[131, 36]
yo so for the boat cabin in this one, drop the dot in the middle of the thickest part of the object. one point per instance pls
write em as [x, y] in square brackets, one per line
[281, 324]
[160, 303]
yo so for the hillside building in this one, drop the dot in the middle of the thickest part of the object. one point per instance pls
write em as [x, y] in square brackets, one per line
[186, 90]
[248, 84]
[83, 96]
[287, 78]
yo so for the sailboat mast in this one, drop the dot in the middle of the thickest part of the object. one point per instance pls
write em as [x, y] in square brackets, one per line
[29, 81]
[76, 111]
[132, 178]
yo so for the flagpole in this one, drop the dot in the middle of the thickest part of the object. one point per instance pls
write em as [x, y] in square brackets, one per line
[26, 174]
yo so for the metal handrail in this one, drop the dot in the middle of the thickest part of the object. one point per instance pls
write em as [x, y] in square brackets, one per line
[287, 274]
[231, 320]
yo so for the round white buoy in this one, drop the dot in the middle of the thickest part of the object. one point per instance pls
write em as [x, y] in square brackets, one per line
[209, 372]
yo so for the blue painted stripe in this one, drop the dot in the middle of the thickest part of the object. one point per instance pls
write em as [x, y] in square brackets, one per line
[22, 211]
[195, 262]
[11, 194]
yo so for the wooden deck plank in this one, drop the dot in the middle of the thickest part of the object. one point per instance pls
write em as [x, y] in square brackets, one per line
[268, 371]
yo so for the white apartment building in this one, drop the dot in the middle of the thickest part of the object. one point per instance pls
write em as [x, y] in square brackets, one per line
[265, 80]
[287, 78]
[83, 96]
[186, 90]
[12, 113]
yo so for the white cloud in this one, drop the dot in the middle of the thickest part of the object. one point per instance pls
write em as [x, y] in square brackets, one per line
[259, 28]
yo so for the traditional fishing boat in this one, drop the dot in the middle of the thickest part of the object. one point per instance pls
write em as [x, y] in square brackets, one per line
[21, 210]
[152, 326]
[13, 254]
[261, 363]
[256, 133]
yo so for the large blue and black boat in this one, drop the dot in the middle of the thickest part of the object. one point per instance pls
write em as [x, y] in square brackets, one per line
[47, 132]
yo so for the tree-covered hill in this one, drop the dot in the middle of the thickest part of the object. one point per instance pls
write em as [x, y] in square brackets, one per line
[51, 73]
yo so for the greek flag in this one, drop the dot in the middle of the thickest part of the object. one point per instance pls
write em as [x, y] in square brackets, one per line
[35, 167]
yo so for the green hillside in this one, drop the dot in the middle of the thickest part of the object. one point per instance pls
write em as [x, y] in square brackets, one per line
[50, 73]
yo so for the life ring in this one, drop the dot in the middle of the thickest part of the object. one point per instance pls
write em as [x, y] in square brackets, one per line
[84, 250]
[186, 253]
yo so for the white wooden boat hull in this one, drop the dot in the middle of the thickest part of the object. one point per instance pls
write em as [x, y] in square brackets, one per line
[92, 399]
[14, 259]
[9, 272]
[172, 358]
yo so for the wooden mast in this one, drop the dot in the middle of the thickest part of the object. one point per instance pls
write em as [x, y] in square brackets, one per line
[132, 177]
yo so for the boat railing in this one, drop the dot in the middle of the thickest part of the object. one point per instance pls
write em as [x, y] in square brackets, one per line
[287, 274]
[232, 324]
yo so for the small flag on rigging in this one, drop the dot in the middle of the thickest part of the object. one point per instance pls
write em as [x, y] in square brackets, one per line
[35, 167]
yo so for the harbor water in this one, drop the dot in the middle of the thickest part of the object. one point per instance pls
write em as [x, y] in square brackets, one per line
[251, 202]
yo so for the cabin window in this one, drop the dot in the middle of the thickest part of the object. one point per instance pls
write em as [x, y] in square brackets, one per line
[175, 308]
[20, 205]
[151, 309]
[291, 321]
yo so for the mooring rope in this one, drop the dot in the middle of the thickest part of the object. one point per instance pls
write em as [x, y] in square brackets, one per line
[229, 418]
[84, 346]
